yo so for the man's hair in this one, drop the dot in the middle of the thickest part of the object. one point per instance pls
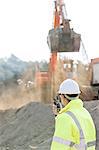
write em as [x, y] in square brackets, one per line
[72, 95]
[69, 97]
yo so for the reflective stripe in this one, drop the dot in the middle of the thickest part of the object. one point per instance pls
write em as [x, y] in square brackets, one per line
[92, 143]
[82, 144]
[82, 139]
[77, 123]
[62, 141]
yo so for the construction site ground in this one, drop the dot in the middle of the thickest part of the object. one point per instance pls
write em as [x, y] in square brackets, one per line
[32, 126]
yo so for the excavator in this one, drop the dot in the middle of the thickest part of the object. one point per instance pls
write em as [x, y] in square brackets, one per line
[61, 38]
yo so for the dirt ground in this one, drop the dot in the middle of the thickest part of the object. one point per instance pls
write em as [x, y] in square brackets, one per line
[32, 126]
[93, 108]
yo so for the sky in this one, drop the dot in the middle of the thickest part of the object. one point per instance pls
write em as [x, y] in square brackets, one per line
[24, 26]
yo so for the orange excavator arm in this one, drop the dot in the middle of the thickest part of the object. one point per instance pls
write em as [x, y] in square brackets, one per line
[56, 16]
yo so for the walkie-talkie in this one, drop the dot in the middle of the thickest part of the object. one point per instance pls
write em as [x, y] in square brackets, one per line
[57, 103]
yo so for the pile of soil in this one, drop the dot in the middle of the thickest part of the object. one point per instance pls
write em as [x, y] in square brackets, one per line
[26, 128]
[93, 108]
[32, 126]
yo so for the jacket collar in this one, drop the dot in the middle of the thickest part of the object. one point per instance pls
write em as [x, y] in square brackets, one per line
[76, 103]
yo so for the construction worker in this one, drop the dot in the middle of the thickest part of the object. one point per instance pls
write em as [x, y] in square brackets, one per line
[74, 127]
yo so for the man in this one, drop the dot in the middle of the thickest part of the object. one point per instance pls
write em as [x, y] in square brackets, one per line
[74, 127]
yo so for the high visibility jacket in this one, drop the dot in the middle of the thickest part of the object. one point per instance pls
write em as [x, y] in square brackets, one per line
[74, 128]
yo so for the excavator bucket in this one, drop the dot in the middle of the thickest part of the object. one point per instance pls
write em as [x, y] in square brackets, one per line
[60, 40]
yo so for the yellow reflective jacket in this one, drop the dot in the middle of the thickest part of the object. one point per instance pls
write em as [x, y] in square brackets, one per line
[74, 128]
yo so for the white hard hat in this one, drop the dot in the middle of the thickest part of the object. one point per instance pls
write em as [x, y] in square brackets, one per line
[69, 86]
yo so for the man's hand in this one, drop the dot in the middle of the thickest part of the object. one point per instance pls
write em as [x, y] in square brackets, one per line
[54, 109]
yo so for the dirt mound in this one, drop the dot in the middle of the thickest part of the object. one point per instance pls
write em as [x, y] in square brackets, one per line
[93, 108]
[32, 126]
[26, 128]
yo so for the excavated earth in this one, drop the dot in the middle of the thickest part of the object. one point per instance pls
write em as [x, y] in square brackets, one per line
[31, 127]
